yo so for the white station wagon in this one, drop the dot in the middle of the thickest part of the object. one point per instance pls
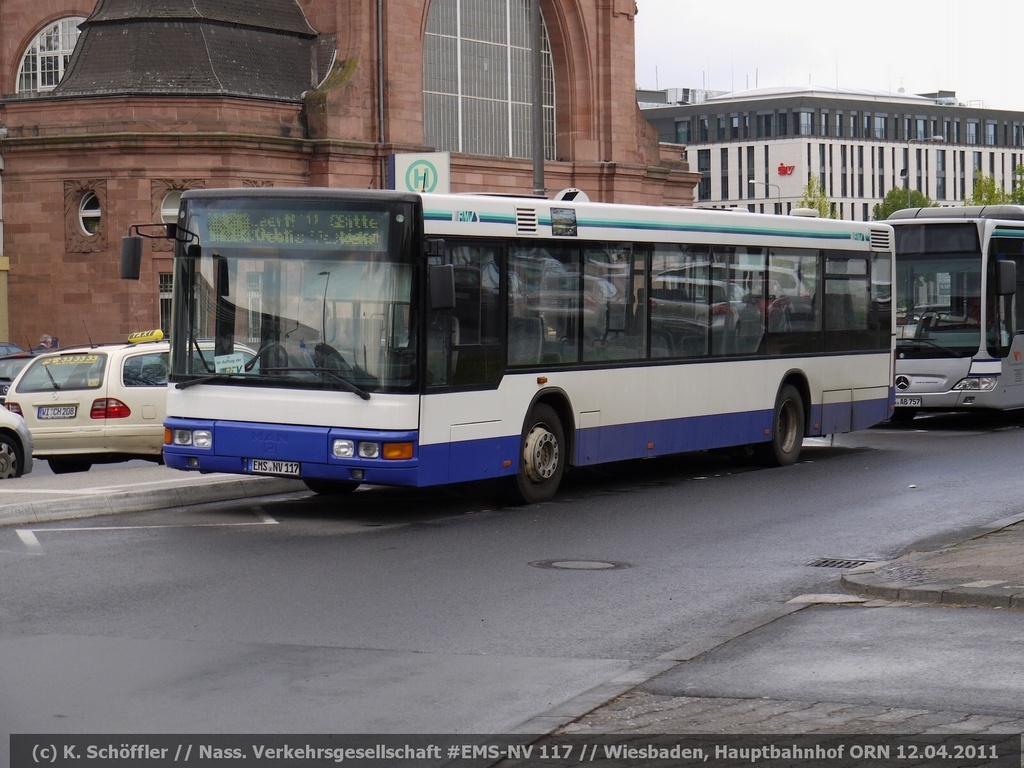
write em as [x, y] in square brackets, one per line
[95, 404]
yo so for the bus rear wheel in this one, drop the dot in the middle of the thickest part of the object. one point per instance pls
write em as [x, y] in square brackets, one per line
[787, 430]
[541, 456]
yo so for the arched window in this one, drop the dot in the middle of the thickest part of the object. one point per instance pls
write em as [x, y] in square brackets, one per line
[44, 62]
[477, 79]
[89, 213]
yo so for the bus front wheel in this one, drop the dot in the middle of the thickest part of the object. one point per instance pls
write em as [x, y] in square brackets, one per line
[787, 430]
[542, 456]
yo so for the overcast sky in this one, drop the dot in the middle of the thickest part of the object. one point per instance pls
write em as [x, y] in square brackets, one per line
[970, 47]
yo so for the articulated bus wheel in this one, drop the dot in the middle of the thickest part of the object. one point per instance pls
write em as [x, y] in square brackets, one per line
[787, 430]
[542, 457]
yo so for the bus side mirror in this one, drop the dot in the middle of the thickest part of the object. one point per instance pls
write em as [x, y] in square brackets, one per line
[1006, 277]
[131, 257]
[442, 286]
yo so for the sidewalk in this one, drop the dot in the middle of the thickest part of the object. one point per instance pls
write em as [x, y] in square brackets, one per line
[985, 570]
[40, 498]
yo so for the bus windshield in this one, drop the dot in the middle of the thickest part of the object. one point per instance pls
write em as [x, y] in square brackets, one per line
[302, 294]
[939, 290]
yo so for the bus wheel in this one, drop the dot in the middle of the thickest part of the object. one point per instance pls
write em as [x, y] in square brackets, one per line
[542, 459]
[329, 487]
[787, 430]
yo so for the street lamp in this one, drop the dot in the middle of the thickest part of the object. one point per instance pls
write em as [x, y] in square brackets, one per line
[778, 189]
[905, 175]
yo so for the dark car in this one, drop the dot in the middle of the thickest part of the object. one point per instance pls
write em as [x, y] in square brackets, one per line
[9, 348]
[10, 366]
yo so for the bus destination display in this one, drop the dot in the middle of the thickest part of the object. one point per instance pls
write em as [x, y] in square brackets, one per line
[363, 230]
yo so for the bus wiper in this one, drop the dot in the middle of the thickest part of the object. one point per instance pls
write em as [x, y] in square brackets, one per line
[205, 379]
[345, 383]
[928, 342]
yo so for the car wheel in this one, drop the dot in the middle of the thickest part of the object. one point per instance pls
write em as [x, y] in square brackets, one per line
[11, 464]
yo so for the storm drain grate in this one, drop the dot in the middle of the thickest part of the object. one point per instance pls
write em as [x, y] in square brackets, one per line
[837, 562]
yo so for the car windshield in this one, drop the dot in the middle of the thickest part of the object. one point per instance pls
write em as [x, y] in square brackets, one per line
[81, 370]
[11, 366]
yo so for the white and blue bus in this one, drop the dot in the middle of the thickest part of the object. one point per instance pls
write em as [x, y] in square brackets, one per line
[420, 340]
[958, 315]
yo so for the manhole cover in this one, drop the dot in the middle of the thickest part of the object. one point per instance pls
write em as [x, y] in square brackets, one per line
[580, 565]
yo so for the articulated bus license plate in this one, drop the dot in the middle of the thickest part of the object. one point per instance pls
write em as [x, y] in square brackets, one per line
[265, 467]
[908, 402]
[57, 412]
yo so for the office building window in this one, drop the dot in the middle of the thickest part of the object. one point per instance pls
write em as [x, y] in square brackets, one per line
[805, 123]
[972, 131]
[724, 171]
[879, 132]
[704, 169]
[683, 132]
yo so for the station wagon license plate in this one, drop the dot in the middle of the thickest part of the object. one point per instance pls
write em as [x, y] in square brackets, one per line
[908, 402]
[266, 467]
[57, 412]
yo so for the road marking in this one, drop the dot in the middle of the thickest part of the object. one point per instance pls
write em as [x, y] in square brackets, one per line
[95, 491]
[30, 540]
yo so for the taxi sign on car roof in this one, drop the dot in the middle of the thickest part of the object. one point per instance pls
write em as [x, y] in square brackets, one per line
[141, 336]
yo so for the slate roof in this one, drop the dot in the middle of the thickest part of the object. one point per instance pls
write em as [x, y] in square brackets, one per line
[249, 48]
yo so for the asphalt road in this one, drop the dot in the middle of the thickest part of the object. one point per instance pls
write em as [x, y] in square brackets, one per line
[435, 611]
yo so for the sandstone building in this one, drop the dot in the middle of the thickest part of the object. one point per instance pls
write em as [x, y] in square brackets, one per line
[109, 109]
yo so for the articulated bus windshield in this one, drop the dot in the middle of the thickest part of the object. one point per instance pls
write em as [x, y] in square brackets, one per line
[304, 293]
[938, 289]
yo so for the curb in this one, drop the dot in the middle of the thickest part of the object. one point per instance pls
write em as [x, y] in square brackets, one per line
[872, 581]
[113, 502]
[927, 576]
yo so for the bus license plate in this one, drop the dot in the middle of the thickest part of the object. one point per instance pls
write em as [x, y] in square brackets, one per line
[265, 467]
[57, 412]
[908, 402]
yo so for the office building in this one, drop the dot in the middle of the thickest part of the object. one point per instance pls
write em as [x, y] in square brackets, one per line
[757, 149]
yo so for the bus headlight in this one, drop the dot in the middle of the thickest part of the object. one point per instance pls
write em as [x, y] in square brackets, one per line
[369, 451]
[197, 438]
[343, 449]
[976, 384]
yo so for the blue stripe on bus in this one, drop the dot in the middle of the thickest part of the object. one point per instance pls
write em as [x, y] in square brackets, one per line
[465, 461]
